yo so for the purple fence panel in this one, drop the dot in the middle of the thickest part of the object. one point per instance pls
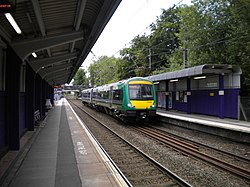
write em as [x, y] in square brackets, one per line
[3, 133]
[205, 102]
[231, 103]
[22, 124]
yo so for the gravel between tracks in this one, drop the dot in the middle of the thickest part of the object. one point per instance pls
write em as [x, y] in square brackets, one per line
[193, 171]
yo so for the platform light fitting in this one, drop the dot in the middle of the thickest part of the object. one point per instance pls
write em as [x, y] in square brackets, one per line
[34, 54]
[174, 80]
[13, 23]
[202, 77]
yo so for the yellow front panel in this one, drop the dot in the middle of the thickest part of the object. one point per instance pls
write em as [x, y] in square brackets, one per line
[142, 104]
[139, 82]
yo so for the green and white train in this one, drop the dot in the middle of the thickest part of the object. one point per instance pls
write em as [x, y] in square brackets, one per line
[130, 99]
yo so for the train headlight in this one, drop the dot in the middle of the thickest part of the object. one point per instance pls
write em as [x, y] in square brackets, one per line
[130, 105]
[152, 106]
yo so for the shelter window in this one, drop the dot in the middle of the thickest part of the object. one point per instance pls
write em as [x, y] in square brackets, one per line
[209, 83]
[181, 96]
[140, 92]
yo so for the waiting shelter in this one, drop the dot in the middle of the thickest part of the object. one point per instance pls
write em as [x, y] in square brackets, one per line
[210, 89]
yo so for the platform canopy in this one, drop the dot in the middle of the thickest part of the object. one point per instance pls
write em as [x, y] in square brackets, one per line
[205, 69]
[61, 34]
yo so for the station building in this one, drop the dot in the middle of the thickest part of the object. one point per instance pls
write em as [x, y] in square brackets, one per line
[209, 89]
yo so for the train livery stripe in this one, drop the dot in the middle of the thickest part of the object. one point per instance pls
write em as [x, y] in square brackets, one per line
[142, 104]
[139, 82]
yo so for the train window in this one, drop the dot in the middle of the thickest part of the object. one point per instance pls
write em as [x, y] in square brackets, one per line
[117, 95]
[86, 95]
[140, 92]
[104, 94]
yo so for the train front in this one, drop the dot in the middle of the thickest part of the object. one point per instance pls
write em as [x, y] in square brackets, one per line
[141, 99]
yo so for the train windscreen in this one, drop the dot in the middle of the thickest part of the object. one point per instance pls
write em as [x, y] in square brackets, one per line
[140, 92]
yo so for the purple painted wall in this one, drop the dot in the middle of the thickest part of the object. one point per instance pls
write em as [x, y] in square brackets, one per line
[3, 132]
[205, 102]
[231, 103]
[22, 121]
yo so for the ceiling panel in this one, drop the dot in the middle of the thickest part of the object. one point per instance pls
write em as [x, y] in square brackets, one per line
[54, 29]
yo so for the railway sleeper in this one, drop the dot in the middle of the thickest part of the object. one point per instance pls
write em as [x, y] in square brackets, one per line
[147, 168]
[129, 161]
[169, 184]
[156, 178]
[144, 164]
[124, 156]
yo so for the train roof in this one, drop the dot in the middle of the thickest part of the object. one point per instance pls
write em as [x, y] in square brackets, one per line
[87, 90]
[118, 84]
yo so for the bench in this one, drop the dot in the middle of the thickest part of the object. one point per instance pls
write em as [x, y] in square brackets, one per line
[37, 116]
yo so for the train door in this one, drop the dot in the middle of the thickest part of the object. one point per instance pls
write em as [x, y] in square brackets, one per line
[110, 96]
[91, 95]
[170, 100]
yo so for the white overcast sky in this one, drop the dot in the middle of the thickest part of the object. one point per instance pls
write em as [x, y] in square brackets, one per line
[131, 18]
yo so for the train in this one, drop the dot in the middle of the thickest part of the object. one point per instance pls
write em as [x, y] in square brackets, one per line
[131, 99]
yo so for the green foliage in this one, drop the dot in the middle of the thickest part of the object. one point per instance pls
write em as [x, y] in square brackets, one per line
[80, 78]
[103, 71]
[148, 54]
[211, 31]
[217, 32]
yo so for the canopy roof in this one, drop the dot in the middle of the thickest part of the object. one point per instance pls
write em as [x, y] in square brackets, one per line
[61, 33]
[197, 71]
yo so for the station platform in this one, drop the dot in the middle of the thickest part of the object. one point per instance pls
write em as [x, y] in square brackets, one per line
[61, 152]
[229, 128]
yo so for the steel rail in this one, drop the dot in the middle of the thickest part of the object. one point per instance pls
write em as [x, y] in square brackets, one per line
[199, 145]
[176, 178]
[177, 145]
[99, 144]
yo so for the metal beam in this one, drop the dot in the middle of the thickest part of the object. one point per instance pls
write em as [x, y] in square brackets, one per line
[58, 79]
[62, 73]
[37, 64]
[104, 16]
[57, 82]
[78, 18]
[26, 47]
[5, 34]
[39, 19]
[47, 71]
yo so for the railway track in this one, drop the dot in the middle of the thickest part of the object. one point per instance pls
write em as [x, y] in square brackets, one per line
[138, 167]
[197, 150]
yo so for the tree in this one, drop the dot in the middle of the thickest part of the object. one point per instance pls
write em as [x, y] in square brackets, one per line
[149, 54]
[135, 57]
[103, 71]
[217, 31]
[164, 40]
[80, 78]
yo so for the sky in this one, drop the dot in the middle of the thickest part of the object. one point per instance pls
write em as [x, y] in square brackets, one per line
[131, 18]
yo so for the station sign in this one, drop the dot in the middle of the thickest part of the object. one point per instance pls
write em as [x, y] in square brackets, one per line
[7, 6]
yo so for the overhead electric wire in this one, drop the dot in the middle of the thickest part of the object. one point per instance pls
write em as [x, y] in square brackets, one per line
[217, 41]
